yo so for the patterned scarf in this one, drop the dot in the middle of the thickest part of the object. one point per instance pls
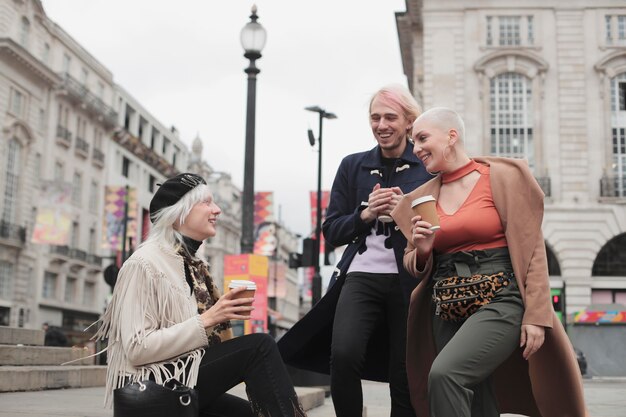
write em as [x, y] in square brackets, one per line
[206, 293]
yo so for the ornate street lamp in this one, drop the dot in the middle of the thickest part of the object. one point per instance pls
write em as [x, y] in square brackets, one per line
[316, 285]
[253, 38]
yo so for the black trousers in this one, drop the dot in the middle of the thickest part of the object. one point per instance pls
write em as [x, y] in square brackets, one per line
[366, 300]
[255, 360]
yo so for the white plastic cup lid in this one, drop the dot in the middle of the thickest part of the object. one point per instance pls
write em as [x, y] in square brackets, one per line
[236, 283]
[422, 200]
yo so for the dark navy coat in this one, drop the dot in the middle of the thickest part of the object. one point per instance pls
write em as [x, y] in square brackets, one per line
[307, 344]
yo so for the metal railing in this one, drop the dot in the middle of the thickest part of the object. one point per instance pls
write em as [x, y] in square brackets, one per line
[82, 147]
[612, 186]
[98, 155]
[76, 254]
[12, 231]
[94, 259]
[64, 136]
[92, 103]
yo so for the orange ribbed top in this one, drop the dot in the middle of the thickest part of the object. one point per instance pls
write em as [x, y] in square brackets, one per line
[476, 224]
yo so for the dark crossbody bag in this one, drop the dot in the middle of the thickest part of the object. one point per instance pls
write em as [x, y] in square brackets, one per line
[149, 399]
[456, 298]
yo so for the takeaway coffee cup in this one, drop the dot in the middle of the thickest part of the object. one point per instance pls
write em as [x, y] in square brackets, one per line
[427, 208]
[385, 218]
[250, 288]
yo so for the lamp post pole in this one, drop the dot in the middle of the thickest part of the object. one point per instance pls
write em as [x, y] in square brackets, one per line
[316, 285]
[253, 38]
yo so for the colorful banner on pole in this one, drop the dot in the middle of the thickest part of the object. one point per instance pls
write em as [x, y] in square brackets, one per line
[53, 222]
[113, 221]
[252, 268]
[600, 317]
[325, 199]
[264, 224]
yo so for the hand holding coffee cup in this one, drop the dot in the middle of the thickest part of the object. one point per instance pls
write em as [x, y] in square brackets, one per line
[426, 208]
[250, 289]
[383, 200]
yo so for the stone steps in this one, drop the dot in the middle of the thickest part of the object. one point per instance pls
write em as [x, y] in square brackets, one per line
[19, 336]
[27, 365]
[35, 378]
[42, 355]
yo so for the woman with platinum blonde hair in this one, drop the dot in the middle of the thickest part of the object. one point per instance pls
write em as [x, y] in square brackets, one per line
[483, 338]
[167, 320]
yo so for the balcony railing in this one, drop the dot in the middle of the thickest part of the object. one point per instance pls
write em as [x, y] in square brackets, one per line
[94, 259]
[64, 136]
[545, 184]
[612, 186]
[82, 147]
[76, 254]
[62, 250]
[139, 149]
[12, 232]
[93, 104]
[98, 157]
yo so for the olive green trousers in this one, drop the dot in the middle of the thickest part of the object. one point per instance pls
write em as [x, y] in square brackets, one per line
[459, 383]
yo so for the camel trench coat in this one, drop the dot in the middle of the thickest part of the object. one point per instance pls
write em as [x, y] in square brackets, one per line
[549, 384]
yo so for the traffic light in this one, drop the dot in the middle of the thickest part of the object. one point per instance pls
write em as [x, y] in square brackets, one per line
[557, 303]
[309, 248]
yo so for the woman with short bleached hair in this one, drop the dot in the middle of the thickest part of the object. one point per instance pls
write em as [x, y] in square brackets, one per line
[167, 320]
[483, 338]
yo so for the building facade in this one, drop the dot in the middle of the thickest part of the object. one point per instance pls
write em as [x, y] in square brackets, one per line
[228, 198]
[55, 111]
[66, 126]
[545, 81]
[142, 153]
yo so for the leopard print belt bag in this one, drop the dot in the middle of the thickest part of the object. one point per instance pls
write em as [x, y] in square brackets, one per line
[456, 298]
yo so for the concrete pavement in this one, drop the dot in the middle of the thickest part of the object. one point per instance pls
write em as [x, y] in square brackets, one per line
[88, 402]
[606, 397]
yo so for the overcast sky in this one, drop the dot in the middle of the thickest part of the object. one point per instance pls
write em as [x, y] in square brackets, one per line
[183, 61]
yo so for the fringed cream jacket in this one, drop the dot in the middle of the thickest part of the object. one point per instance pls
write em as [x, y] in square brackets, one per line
[152, 321]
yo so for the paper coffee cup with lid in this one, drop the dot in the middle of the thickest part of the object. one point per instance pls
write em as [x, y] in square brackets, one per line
[249, 285]
[426, 207]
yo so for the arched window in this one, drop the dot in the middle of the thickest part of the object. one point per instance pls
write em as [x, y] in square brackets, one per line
[554, 269]
[24, 32]
[611, 260]
[511, 116]
[618, 135]
[9, 208]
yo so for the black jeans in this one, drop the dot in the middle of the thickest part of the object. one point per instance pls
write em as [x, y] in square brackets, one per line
[365, 300]
[253, 359]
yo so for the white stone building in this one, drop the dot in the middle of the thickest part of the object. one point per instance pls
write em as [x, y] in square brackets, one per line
[64, 120]
[228, 198]
[142, 153]
[55, 112]
[543, 80]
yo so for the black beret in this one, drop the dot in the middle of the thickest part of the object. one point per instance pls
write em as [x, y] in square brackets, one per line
[172, 190]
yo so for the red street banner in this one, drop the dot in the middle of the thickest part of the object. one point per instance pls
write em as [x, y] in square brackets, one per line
[325, 198]
[264, 224]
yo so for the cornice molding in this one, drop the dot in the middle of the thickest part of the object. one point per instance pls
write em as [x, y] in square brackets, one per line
[18, 54]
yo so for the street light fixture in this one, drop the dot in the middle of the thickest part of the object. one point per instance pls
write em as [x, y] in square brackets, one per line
[316, 285]
[253, 37]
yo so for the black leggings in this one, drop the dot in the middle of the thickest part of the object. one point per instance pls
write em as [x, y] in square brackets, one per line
[253, 359]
